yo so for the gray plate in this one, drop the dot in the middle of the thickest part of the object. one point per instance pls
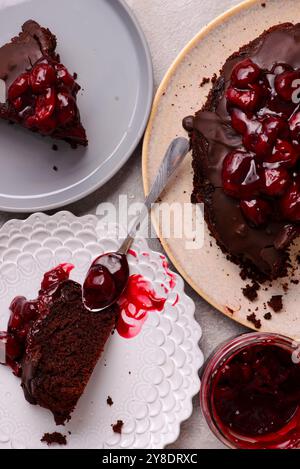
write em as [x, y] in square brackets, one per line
[103, 43]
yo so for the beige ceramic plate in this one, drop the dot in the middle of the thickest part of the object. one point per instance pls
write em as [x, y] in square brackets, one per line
[207, 270]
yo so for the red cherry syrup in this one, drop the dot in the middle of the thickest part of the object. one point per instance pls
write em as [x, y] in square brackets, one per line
[255, 397]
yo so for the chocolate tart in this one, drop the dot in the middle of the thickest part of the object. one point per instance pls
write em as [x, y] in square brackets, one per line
[246, 152]
[40, 93]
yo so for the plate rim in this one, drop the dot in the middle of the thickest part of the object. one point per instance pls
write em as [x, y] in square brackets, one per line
[231, 12]
[198, 360]
[148, 70]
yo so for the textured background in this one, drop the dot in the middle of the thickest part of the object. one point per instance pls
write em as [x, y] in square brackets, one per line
[168, 25]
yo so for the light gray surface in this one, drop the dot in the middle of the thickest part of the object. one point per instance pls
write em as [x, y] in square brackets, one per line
[108, 51]
[168, 25]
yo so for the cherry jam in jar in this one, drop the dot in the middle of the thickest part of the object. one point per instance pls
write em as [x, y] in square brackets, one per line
[250, 392]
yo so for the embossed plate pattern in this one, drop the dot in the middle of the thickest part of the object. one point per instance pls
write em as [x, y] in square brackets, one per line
[151, 378]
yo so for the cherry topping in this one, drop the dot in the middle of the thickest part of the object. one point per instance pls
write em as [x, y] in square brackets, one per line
[44, 99]
[42, 77]
[246, 100]
[245, 73]
[290, 202]
[284, 154]
[19, 86]
[66, 108]
[286, 83]
[105, 280]
[274, 181]
[56, 275]
[239, 175]
[242, 122]
[64, 76]
[257, 211]
[279, 68]
[264, 109]
[99, 288]
[294, 123]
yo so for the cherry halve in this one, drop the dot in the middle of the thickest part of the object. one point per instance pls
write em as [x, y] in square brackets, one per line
[263, 171]
[239, 175]
[105, 280]
[44, 97]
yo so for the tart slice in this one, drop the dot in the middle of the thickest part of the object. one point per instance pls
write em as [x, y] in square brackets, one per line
[53, 343]
[38, 91]
[246, 152]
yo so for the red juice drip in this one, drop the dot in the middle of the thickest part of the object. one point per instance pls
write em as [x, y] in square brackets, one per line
[135, 303]
[171, 275]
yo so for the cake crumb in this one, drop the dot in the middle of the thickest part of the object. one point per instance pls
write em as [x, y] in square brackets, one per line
[256, 322]
[204, 81]
[250, 291]
[263, 5]
[109, 401]
[214, 78]
[75, 75]
[54, 147]
[117, 427]
[54, 439]
[55, 168]
[268, 316]
[276, 303]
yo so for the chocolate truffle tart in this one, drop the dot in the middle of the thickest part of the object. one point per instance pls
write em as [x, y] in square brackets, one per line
[246, 152]
[40, 91]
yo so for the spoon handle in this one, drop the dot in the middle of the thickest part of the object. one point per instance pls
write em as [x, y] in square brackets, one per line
[175, 154]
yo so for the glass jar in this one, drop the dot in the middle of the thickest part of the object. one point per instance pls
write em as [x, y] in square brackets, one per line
[288, 436]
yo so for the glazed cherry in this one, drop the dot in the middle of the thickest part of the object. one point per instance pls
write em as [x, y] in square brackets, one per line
[57, 275]
[274, 181]
[294, 124]
[256, 211]
[275, 127]
[64, 76]
[263, 108]
[290, 202]
[66, 108]
[42, 77]
[284, 154]
[239, 175]
[44, 99]
[286, 83]
[281, 67]
[19, 86]
[246, 100]
[245, 73]
[105, 280]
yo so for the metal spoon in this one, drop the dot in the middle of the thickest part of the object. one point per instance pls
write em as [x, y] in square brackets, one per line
[109, 273]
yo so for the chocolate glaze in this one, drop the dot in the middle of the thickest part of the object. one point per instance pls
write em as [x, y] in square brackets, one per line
[24, 50]
[213, 137]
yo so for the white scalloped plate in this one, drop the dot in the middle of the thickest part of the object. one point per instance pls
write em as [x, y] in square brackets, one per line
[151, 378]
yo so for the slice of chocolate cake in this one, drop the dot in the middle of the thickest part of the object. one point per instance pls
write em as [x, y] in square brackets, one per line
[53, 343]
[38, 92]
[246, 152]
